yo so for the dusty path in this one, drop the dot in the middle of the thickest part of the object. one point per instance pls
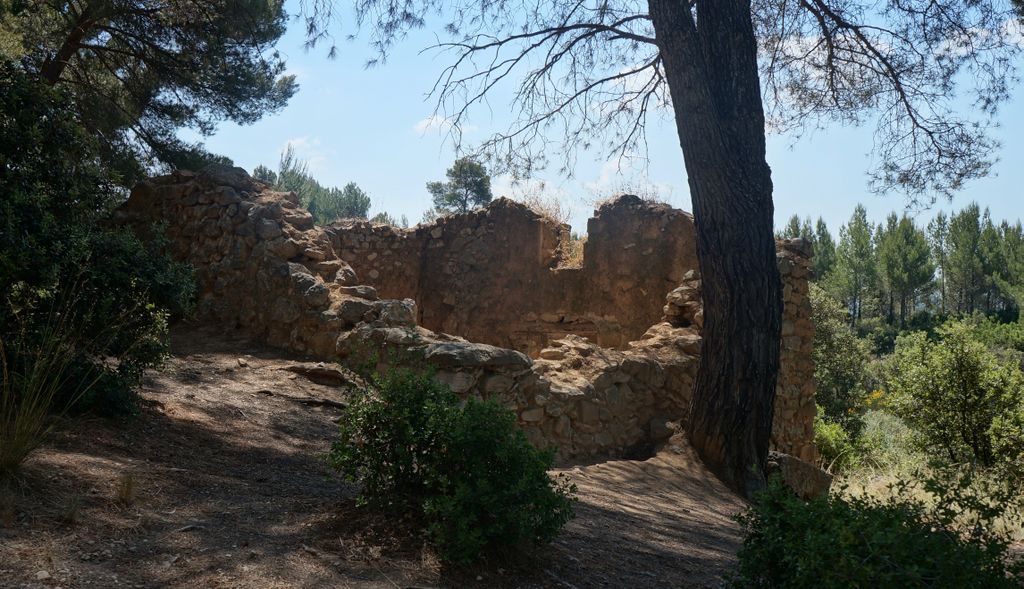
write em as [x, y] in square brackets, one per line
[220, 483]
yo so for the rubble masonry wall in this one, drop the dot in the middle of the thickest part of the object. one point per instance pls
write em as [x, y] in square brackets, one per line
[597, 360]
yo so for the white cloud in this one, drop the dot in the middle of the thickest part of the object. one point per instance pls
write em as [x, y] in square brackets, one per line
[628, 174]
[432, 123]
[310, 150]
[438, 124]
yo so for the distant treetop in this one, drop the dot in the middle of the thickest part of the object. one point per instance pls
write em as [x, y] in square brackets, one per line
[468, 187]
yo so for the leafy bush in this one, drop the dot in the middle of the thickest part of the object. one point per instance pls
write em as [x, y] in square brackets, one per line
[879, 335]
[887, 443]
[57, 248]
[965, 403]
[1006, 336]
[838, 452]
[840, 360]
[468, 472]
[860, 541]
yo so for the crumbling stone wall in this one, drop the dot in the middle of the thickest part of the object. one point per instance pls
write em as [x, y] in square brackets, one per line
[262, 266]
[793, 420]
[492, 275]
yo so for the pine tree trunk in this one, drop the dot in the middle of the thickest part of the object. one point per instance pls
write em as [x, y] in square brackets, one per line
[53, 68]
[711, 69]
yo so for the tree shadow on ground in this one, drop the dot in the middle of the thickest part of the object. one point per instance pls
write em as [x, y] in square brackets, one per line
[231, 490]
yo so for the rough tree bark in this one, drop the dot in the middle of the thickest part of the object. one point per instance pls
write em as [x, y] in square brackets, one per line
[711, 70]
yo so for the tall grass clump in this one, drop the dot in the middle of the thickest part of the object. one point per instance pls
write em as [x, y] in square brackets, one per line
[42, 374]
[36, 370]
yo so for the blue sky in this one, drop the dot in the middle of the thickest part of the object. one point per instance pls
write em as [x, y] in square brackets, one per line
[374, 127]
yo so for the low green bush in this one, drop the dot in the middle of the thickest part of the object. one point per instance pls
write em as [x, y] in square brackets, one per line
[860, 541]
[965, 403]
[464, 470]
[838, 452]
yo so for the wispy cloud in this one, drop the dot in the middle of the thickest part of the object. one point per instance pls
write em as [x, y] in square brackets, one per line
[432, 123]
[438, 124]
[627, 174]
[310, 150]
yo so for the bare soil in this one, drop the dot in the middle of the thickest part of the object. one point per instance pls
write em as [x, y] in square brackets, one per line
[220, 482]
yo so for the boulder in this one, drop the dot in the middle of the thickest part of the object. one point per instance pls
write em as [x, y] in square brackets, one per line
[466, 354]
[805, 479]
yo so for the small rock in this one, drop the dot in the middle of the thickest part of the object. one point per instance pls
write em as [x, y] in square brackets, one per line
[268, 229]
[660, 428]
[532, 415]
[805, 479]
[242, 362]
[42, 575]
[552, 354]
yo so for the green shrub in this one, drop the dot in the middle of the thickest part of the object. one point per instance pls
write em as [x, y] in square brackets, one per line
[465, 470]
[840, 360]
[838, 452]
[57, 247]
[964, 402]
[887, 443]
[1008, 336]
[841, 541]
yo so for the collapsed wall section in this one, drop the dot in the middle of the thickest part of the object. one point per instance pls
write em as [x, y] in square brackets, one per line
[492, 275]
[262, 266]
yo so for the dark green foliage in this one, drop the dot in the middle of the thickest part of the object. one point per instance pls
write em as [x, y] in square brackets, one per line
[905, 267]
[820, 239]
[797, 228]
[468, 187]
[895, 277]
[999, 336]
[840, 359]
[325, 204]
[966, 404]
[142, 71]
[350, 201]
[854, 274]
[52, 187]
[841, 541]
[135, 287]
[467, 472]
[824, 250]
[57, 249]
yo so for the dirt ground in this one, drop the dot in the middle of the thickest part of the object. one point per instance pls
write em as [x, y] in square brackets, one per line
[220, 482]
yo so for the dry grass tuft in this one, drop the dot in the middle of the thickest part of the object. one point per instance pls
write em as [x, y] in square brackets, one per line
[71, 509]
[572, 252]
[127, 490]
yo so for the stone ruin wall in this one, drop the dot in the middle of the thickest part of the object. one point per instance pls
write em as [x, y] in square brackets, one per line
[612, 348]
[493, 275]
